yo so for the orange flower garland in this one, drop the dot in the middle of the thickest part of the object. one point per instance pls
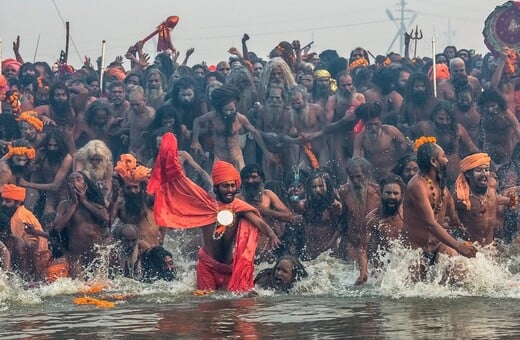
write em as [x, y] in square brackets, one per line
[423, 140]
[361, 62]
[31, 118]
[15, 103]
[20, 150]
[307, 148]
[96, 302]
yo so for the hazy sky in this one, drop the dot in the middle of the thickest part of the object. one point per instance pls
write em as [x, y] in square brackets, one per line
[211, 27]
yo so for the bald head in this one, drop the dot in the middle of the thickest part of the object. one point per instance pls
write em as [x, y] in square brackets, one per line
[457, 66]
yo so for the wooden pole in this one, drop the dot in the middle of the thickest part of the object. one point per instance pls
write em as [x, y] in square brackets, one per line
[434, 68]
[67, 28]
[102, 70]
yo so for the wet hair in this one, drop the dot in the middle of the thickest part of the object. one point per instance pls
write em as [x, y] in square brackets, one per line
[93, 108]
[166, 65]
[330, 195]
[117, 232]
[249, 169]
[298, 89]
[58, 136]
[93, 193]
[386, 79]
[298, 270]
[444, 105]
[492, 96]
[392, 179]
[361, 162]
[58, 86]
[151, 72]
[45, 66]
[401, 164]
[368, 111]
[152, 262]
[417, 77]
[222, 96]
[163, 112]
[182, 83]
[425, 154]
[133, 74]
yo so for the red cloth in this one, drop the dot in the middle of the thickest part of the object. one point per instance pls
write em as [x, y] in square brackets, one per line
[211, 274]
[180, 203]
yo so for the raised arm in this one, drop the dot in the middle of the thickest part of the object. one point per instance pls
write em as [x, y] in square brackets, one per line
[55, 185]
[263, 227]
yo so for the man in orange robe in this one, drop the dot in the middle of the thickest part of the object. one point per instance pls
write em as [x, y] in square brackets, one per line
[180, 203]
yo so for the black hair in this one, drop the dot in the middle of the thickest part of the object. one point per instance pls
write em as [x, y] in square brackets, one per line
[249, 169]
[401, 164]
[153, 263]
[368, 111]
[93, 108]
[392, 179]
[425, 154]
[492, 96]
[222, 96]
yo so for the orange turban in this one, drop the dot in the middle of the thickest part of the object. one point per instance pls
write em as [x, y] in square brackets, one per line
[442, 72]
[13, 192]
[130, 172]
[116, 73]
[468, 163]
[31, 118]
[224, 172]
[12, 62]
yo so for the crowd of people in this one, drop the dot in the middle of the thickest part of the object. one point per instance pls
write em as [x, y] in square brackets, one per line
[320, 153]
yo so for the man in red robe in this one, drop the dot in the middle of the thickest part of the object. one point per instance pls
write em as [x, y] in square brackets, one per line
[180, 203]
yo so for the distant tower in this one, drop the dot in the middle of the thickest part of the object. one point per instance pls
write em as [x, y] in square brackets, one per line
[401, 26]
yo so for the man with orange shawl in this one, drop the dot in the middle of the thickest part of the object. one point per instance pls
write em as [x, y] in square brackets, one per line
[477, 198]
[23, 221]
[226, 222]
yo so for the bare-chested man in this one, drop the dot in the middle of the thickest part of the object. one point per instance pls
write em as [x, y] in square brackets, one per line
[384, 92]
[418, 100]
[16, 164]
[133, 205]
[426, 203]
[382, 145]
[51, 167]
[451, 136]
[359, 196]
[446, 89]
[140, 117]
[321, 91]
[16, 257]
[225, 124]
[31, 127]
[154, 88]
[306, 118]
[467, 113]
[382, 224]
[116, 98]
[270, 206]
[500, 127]
[271, 120]
[477, 199]
[322, 216]
[86, 220]
[97, 122]
[222, 262]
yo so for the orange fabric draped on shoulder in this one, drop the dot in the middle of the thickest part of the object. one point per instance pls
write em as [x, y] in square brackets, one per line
[461, 184]
[180, 203]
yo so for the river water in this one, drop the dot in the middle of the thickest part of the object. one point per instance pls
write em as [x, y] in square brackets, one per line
[324, 306]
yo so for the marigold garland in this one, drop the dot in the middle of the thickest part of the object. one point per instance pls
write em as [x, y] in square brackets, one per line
[423, 140]
[361, 62]
[15, 103]
[31, 118]
[130, 172]
[96, 302]
[307, 148]
[41, 85]
[19, 151]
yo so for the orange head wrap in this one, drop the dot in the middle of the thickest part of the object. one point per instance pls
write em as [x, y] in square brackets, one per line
[442, 72]
[461, 184]
[224, 172]
[31, 118]
[20, 150]
[116, 73]
[11, 62]
[13, 192]
[130, 172]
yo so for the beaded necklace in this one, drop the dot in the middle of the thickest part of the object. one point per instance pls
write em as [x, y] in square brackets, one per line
[436, 203]
[481, 201]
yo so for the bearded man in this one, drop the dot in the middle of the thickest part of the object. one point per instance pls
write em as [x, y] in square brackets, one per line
[95, 161]
[467, 113]
[187, 105]
[97, 122]
[31, 127]
[359, 196]
[271, 208]
[60, 113]
[477, 199]
[16, 163]
[52, 165]
[86, 220]
[154, 88]
[179, 203]
[384, 92]
[382, 145]
[418, 101]
[133, 206]
[426, 204]
[446, 89]
[321, 88]
[382, 225]
[276, 72]
[226, 123]
[39, 255]
[322, 216]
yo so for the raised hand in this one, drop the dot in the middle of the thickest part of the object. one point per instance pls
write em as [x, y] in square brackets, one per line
[189, 52]
[245, 37]
[16, 45]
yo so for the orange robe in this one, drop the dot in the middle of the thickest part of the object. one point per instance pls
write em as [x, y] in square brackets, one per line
[42, 257]
[180, 203]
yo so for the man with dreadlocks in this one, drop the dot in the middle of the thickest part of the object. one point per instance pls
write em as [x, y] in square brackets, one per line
[226, 123]
[86, 220]
[426, 204]
[133, 205]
